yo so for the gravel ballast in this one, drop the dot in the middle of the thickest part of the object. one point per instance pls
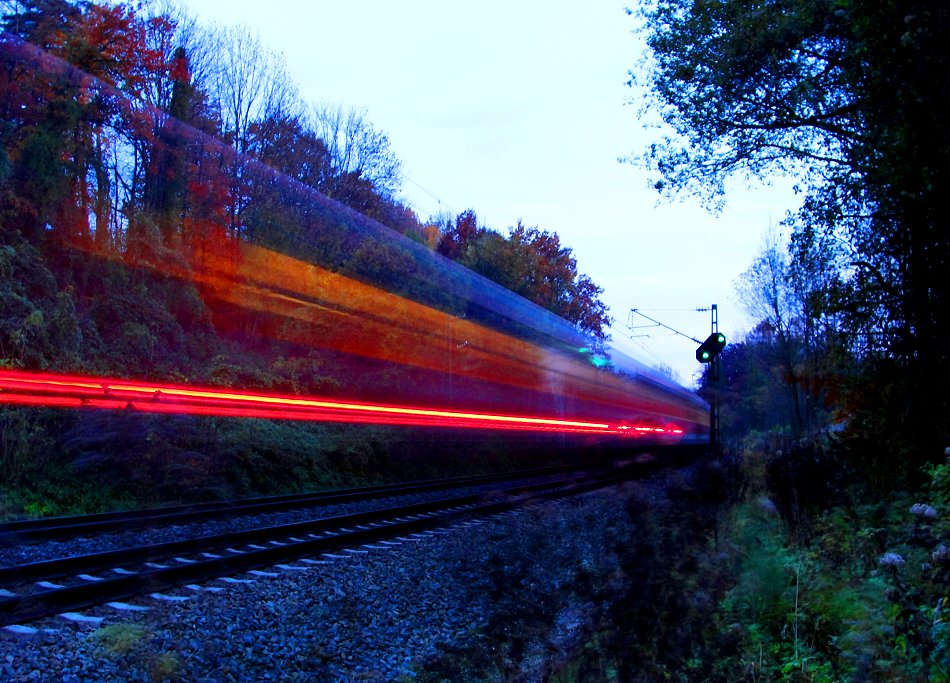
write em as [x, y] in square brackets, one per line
[377, 614]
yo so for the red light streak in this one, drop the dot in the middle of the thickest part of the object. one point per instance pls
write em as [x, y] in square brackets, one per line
[42, 389]
[76, 391]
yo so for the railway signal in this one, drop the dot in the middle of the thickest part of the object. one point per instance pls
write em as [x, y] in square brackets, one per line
[707, 352]
[710, 348]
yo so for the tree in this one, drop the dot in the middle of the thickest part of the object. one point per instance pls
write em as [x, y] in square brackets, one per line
[358, 152]
[456, 239]
[40, 119]
[70, 88]
[532, 263]
[251, 88]
[249, 84]
[165, 176]
[767, 291]
[289, 147]
[849, 97]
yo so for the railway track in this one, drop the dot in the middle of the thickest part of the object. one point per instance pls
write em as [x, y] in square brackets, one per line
[56, 528]
[36, 590]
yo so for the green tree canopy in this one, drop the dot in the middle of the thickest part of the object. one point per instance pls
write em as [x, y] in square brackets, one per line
[849, 97]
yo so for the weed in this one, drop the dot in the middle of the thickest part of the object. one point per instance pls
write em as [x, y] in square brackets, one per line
[121, 639]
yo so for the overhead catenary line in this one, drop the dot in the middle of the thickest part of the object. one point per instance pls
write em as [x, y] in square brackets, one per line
[434, 196]
[644, 315]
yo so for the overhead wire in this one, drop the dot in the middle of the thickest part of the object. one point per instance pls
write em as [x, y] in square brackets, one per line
[434, 196]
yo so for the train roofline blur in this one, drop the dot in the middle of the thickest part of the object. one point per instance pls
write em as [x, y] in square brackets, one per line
[639, 371]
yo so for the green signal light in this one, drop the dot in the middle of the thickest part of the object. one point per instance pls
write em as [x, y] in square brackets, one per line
[708, 350]
[592, 358]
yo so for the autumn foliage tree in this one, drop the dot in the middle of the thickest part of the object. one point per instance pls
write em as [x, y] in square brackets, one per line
[530, 262]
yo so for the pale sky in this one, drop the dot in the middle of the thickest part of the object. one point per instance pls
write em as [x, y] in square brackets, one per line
[519, 110]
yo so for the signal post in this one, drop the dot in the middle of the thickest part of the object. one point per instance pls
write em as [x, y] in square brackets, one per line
[708, 352]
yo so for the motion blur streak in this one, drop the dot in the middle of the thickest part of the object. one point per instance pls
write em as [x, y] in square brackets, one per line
[310, 306]
[74, 391]
[343, 314]
[325, 298]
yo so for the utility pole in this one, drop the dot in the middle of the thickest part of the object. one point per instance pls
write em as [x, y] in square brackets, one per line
[715, 375]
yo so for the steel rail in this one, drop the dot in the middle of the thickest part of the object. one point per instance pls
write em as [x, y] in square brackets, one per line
[65, 566]
[335, 534]
[37, 530]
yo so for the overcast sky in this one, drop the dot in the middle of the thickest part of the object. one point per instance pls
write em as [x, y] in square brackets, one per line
[519, 110]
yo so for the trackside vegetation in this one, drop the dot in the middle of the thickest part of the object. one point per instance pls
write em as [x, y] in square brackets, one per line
[834, 406]
[814, 548]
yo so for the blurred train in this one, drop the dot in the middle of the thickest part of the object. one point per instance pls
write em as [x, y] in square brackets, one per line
[491, 361]
[397, 333]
